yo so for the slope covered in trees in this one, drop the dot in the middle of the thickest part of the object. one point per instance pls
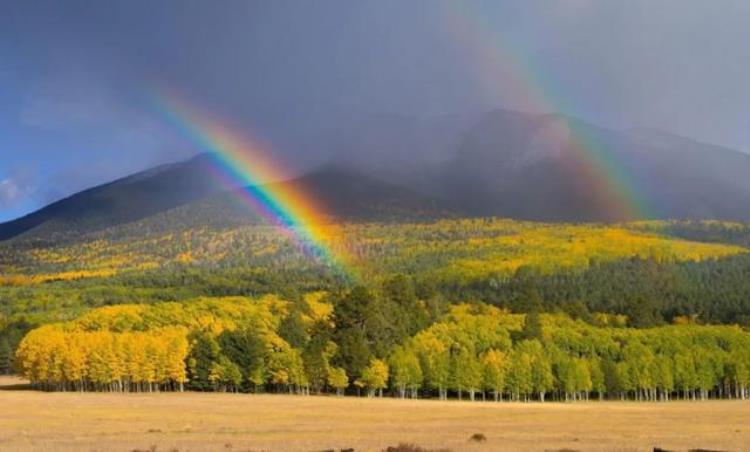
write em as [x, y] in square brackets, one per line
[641, 270]
[458, 249]
[700, 231]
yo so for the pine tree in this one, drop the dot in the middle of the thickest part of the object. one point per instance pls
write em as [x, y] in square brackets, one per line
[203, 356]
[6, 356]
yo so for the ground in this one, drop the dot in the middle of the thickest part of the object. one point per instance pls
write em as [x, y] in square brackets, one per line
[31, 420]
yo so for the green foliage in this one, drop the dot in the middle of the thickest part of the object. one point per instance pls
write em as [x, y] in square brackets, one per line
[205, 353]
[466, 373]
[6, 356]
[225, 375]
[592, 303]
[406, 373]
[641, 270]
[248, 351]
[235, 344]
[532, 326]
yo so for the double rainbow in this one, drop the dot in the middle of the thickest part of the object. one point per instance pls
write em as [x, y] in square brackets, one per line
[261, 182]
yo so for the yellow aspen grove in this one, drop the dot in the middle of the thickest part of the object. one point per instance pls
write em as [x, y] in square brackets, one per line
[55, 359]
[137, 363]
[177, 350]
[74, 364]
[246, 347]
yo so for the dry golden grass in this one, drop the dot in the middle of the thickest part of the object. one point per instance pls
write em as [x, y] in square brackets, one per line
[32, 420]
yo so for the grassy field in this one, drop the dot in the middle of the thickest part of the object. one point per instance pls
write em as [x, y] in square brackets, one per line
[32, 420]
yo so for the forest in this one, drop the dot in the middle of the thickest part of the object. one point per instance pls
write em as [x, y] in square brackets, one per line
[359, 342]
[459, 308]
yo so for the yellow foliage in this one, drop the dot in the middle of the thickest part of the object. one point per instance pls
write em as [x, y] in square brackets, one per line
[452, 248]
[319, 309]
[123, 361]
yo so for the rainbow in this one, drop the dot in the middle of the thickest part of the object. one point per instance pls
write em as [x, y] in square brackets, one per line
[495, 59]
[247, 166]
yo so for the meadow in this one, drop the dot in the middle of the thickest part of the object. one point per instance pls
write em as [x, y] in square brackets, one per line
[33, 420]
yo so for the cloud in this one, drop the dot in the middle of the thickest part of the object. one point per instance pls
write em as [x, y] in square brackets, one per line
[9, 193]
[16, 189]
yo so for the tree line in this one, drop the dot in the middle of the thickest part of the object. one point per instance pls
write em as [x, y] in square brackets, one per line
[358, 342]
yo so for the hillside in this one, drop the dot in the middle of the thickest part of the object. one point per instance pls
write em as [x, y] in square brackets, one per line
[190, 194]
[604, 268]
[451, 250]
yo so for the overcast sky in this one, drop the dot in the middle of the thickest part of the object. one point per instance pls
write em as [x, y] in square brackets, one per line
[77, 78]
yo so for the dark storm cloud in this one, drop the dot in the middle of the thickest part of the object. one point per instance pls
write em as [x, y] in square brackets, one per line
[78, 76]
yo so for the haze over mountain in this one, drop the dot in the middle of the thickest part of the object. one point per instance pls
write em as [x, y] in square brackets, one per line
[505, 164]
[552, 167]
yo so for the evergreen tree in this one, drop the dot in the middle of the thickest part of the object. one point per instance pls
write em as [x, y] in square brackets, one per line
[6, 356]
[205, 353]
[293, 329]
[532, 326]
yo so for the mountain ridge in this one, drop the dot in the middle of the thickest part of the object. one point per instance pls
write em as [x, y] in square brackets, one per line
[536, 167]
[507, 163]
[345, 193]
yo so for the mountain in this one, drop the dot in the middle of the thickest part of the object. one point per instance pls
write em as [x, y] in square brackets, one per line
[189, 193]
[506, 163]
[350, 194]
[125, 200]
[341, 193]
[553, 167]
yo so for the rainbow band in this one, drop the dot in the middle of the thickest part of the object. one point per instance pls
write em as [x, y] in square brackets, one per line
[495, 59]
[242, 163]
